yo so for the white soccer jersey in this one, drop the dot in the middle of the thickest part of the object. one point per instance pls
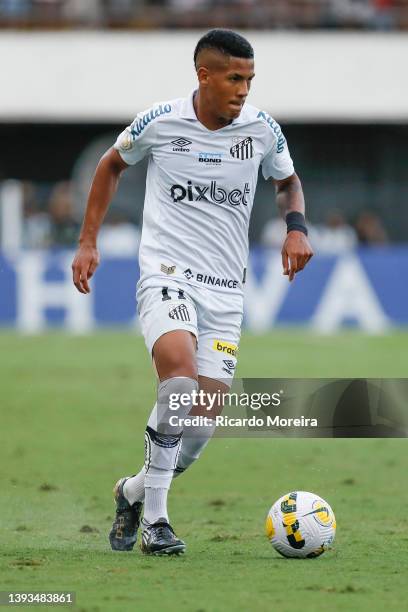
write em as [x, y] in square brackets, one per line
[200, 188]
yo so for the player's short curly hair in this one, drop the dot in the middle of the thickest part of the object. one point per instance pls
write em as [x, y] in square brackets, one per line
[225, 41]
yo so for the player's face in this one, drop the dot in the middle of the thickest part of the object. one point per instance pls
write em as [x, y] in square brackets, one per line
[229, 85]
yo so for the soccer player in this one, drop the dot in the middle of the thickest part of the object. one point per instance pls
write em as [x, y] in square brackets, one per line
[204, 154]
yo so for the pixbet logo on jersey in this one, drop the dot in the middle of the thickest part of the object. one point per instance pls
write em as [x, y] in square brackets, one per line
[213, 193]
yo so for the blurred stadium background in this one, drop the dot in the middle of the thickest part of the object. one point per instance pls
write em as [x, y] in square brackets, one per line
[73, 408]
[332, 72]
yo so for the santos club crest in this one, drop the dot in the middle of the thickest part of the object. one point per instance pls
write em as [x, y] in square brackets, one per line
[242, 149]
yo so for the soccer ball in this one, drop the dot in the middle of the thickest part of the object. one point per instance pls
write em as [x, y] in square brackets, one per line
[301, 524]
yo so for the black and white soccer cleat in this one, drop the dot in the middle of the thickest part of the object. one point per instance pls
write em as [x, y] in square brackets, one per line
[160, 539]
[123, 534]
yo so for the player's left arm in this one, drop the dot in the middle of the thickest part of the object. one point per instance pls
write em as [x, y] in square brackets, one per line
[296, 250]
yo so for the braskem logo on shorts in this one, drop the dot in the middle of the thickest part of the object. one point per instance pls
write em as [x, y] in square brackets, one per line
[211, 193]
[225, 347]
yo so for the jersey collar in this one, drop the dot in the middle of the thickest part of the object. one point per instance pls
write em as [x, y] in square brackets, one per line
[188, 112]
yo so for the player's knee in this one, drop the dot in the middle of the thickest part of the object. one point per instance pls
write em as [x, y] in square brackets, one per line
[178, 366]
[174, 356]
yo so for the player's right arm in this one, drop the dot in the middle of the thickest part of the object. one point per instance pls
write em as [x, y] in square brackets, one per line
[103, 187]
[132, 145]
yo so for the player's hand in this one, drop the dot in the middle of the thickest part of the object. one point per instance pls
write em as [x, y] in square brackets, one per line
[296, 252]
[83, 267]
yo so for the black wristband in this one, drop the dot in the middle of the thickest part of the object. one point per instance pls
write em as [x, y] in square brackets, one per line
[295, 221]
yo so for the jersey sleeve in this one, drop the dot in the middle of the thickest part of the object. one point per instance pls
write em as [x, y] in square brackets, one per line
[136, 141]
[277, 162]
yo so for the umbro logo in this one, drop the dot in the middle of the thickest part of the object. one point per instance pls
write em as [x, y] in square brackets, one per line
[230, 366]
[229, 363]
[180, 313]
[181, 142]
[243, 149]
[180, 145]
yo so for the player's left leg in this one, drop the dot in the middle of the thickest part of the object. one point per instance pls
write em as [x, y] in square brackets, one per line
[169, 325]
[174, 355]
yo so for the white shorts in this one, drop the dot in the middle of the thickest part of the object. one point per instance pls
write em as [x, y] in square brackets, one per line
[213, 318]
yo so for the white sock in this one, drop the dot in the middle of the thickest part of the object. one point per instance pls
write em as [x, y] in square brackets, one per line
[133, 489]
[155, 505]
[157, 484]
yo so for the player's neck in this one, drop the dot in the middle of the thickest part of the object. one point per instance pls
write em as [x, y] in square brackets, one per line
[205, 116]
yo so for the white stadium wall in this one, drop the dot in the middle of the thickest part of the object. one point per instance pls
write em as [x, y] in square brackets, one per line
[104, 76]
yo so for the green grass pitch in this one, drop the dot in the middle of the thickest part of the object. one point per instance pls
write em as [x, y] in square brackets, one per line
[73, 411]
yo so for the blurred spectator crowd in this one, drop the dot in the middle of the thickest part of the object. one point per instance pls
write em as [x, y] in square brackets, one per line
[50, 221]
[260, 14]
[335, 235]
